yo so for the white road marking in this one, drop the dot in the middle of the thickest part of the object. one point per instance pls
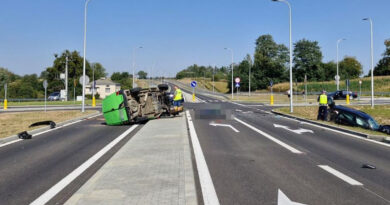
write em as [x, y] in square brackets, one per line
[340, 132]
[298, 131]
[206, 183]
[224, 125]
[290, 148]
[49, 194]
[284, 200]
[340, 175]
[46, 131]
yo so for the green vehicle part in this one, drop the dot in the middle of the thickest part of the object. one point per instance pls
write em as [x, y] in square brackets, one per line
[114, 109]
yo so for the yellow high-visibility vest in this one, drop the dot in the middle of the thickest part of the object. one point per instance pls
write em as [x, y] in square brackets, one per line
[323, 99]
[178, 95]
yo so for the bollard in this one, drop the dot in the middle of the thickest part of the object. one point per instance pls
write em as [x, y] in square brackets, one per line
[347, 99]
[272, 99]
[5, 104]
[193, 97]
[93, 101]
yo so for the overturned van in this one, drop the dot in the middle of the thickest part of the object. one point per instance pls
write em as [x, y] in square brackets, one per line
[138, 105]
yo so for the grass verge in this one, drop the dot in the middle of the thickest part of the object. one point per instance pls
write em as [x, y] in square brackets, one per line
[13, 123]
[42, 103]
[381, 113]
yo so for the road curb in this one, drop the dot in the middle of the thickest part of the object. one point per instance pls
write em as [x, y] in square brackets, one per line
[379, 138]
[35, 131]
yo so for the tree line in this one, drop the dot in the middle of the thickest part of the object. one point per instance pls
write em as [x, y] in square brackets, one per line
[271, 63]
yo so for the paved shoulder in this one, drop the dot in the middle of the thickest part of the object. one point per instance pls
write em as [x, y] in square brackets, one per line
[154, 167]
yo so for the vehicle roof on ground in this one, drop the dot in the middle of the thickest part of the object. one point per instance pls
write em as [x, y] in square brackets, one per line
[357, 112]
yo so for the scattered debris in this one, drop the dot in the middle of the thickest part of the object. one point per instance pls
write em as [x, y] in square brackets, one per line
[368, 166]
[24, 135]
[49, 122]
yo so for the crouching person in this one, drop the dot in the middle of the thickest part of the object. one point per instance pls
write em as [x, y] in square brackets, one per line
[177, 100]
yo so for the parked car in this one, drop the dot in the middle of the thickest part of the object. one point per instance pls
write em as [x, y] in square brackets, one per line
[54, 96]
[351, 117]
[342, 95]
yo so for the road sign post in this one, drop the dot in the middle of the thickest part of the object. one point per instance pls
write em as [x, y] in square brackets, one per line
[45, 86]
[237, 80]
[5, 97]
[193, 85]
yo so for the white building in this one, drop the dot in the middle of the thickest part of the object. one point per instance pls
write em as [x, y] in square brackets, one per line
[104, 87]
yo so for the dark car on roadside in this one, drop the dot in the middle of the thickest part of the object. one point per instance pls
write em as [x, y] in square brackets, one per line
[351, 117]
[342, 95]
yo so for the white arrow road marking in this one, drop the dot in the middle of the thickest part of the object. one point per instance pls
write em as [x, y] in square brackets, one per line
[224, 125]
[298, 131]
[292, 149]
[284, 200]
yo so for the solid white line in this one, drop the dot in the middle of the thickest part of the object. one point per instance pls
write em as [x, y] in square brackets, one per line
[49, 194]
[340, 175]
[10, 142]
[292, 149]
[206, 183]
[224, 125]
[340, 132]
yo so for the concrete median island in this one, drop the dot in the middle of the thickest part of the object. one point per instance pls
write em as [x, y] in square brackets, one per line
[154, 167]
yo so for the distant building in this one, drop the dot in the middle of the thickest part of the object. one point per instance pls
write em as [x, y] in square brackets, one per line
[104, 87]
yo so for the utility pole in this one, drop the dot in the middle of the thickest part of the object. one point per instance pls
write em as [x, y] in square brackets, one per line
[337, 63]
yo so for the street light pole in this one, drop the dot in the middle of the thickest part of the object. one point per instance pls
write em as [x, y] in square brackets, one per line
[291, 81]
[231, 50]
[372, 62]
[85, 47]
[134, 65]
[337, 62]
[250, 80]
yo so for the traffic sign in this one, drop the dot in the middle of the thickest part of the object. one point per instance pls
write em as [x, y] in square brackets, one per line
[45, 84]
[193, 84]
[337, 77]
[237, 80]
[360, 82]
[237, 85]
[86, 80]
[271, 83]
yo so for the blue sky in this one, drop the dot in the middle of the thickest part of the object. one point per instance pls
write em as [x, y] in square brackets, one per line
[178, 33]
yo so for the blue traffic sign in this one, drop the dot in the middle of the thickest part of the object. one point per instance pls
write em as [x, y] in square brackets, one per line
[237, 85]
[193, 84]
[271, 83]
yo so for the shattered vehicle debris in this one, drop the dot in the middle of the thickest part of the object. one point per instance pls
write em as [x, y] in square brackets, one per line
[138, 105]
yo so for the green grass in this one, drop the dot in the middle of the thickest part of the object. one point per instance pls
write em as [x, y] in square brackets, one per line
[382, 84]
[380, 113]
[36, 103]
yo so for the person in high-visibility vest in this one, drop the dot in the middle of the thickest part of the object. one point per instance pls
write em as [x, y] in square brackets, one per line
[177, 98]
[323, 109]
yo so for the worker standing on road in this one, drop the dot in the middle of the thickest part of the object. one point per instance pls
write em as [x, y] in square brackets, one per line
[178, 97]
[323, 109]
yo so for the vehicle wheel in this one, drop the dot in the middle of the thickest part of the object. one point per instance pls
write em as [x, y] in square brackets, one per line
[163, 87]
[136, 90]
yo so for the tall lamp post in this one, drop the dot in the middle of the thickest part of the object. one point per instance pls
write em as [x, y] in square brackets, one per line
[134, 64]
[291, 81]
[337, 62]
[231, 50]
[85, 47]
[372, 62]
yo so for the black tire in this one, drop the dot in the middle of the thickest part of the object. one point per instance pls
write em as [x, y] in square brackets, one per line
[163, 87]
[135, 90]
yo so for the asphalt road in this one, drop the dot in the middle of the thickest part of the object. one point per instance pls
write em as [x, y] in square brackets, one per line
[31, 167]
[248, 168]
